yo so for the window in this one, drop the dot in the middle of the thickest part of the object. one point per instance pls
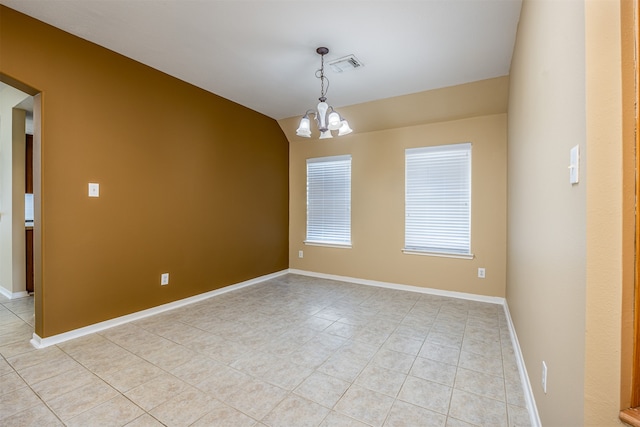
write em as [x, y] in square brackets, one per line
[329, 200]
[438, 200]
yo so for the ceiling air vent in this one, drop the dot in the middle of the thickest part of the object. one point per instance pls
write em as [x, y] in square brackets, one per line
[346, 63]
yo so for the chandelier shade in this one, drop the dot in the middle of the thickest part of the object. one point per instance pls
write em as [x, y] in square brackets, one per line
[327, 119]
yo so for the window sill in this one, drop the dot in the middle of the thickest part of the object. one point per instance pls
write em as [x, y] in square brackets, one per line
[438, 254]
[631, 416]
[328, 245]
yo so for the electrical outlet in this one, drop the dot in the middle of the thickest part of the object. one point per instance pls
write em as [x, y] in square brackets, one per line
[164, 279]
[300, 254]
[481, 273]
[544, 377]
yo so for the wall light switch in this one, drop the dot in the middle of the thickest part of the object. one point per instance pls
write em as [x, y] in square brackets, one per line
[94, 189]
[574, 165]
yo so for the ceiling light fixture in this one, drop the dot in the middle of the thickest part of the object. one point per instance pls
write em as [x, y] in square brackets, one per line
[325, 116]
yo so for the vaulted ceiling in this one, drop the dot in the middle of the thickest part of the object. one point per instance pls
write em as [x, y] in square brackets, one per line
[261, 53]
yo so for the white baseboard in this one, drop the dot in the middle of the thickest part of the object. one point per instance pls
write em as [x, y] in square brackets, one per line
[38, 342]
[524, 376]
[13, 295]
[410, 288]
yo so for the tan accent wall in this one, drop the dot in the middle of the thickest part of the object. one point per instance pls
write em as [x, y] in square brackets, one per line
[377, 193]
[190, 183]
[566, 243]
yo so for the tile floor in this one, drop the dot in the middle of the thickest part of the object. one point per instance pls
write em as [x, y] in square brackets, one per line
[292, 351]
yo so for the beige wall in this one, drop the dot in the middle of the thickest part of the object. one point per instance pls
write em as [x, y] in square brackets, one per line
[547, 215]
[565, 263]
[183, 188]
[12, 258]
[18, 131]
[377, 193]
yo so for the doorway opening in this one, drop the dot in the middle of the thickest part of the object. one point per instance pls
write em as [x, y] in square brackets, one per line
[20, 195]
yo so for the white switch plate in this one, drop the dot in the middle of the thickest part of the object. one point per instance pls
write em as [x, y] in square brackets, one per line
[574, 165]
[481, 273]
[164, 279]
[300, 254]
[94, 189]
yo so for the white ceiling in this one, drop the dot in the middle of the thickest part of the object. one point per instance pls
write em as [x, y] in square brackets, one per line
[261, 53]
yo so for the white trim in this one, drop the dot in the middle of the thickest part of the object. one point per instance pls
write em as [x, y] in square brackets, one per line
[5, 292]
[438, 254]
[410, 288]
[13, 295]
[524, 377]
[328, 244]
[337, 158]
[38, 342]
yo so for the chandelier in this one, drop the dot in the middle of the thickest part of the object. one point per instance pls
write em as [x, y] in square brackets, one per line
[327, 119]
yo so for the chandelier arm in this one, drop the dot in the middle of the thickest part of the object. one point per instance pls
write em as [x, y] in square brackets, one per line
[315, 115]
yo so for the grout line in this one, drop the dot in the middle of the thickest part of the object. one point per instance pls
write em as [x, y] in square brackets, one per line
[260, 292]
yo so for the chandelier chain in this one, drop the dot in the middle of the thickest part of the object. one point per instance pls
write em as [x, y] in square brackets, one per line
[323, 92]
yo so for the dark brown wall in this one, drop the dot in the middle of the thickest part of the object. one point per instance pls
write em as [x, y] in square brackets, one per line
[190, 183]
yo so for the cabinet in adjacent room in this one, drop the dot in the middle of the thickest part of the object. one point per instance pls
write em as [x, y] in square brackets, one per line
[28, 179]
[28, 167]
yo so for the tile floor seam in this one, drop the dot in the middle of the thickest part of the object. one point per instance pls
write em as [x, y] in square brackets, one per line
[102, 380]
[88, 368]
[380, 306]
[453, 387]
[40, 399]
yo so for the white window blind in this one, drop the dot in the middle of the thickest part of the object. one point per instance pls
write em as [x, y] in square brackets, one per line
[329, 200]
[438, 199]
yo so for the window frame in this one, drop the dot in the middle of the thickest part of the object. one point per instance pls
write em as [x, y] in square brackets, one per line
[312, 237]
[413, 161]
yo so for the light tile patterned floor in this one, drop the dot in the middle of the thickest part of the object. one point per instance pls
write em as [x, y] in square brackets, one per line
[293, 351]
